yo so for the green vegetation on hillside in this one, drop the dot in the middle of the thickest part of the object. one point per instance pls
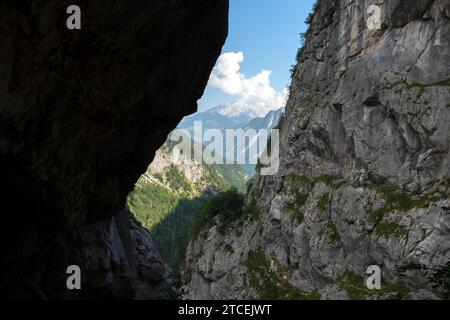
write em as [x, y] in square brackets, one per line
[168, 206]
[226, 176]
[177, 180]
[151, 203]
[168, 216]
[173, 234]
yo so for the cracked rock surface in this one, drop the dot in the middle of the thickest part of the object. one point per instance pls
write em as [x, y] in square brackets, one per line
[365, 168]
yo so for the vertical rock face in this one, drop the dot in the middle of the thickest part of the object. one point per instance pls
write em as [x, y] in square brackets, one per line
[81, 116]
[365, 168]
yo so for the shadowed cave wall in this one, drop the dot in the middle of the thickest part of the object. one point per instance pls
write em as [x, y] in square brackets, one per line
[81, 116]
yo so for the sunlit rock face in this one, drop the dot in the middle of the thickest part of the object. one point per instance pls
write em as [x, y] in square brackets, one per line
[82, 113]
[365, 168]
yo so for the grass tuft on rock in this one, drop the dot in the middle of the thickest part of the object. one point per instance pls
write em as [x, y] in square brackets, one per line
[387, 230]
[267, 285]
[356, 288]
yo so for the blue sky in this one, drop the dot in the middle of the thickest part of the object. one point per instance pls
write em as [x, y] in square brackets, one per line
[267, 33]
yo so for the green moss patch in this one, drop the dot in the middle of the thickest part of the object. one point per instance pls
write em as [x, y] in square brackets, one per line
[323, 202]
[400, 201]
[268, 285]
[355, 286]
[331, 232]
[333, 182]
[375, 216]
[387, 230]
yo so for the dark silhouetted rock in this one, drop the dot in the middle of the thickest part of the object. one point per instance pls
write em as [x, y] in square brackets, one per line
[82, 114]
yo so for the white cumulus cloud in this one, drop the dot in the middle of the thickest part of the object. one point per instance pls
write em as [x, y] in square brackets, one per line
[255, 93]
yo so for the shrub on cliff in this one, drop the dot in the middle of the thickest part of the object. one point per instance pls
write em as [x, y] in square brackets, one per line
[227, 205]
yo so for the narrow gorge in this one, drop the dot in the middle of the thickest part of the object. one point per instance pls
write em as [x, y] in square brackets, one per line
[88, 177]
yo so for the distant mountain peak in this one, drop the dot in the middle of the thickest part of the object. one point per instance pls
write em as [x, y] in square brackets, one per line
[239, 109]
[236, 110]
[233, 116]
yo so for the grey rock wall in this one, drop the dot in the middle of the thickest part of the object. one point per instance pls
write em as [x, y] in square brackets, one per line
[365, 168]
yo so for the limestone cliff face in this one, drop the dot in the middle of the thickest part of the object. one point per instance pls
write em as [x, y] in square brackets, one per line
[365, 168]
[81, 116]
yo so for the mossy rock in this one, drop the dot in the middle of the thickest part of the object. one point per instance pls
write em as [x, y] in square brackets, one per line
[400, 201]
[355, 286]
[331, 232]
[392, 229]
[267, 285]
[323, 202]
